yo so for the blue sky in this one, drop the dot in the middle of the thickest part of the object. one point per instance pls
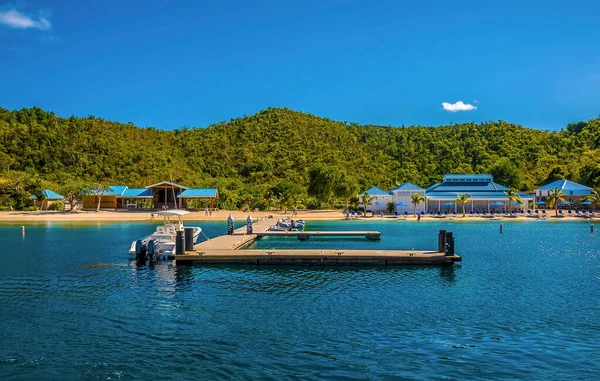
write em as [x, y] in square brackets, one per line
[193, 63]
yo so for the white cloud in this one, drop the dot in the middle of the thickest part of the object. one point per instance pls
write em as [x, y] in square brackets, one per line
[458, 106]
[18, 20]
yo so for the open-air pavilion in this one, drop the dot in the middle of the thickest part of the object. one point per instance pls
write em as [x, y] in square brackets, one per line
[486, 195]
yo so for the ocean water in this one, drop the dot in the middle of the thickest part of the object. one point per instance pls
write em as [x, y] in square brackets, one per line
[524, 304]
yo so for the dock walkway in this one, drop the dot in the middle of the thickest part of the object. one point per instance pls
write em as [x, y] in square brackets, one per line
[228, 249]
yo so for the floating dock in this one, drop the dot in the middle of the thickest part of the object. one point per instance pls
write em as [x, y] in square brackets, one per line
[302, 235]
[229, 249]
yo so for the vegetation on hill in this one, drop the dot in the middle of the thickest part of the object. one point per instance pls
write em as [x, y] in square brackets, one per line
[270, 158]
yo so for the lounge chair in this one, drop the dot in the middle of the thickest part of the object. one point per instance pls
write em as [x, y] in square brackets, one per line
[544, 212]
[584, 212]
[591, 212]
[570, 212]
[529, 212]
[422, 213]
[439, 214]
[537, 212]
[484, 213]
[405, 213]
[478, 213]
[577, 212]
[453, 213]
[471, 213]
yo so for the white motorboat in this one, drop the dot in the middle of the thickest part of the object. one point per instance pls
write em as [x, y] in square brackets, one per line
[160, 245]
[288, 223]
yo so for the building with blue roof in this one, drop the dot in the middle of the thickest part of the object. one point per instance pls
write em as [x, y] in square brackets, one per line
[163, 195]
[573, 193]
[402, 197]
[485, 194]
[49, 198]
[568, 187]
[381, 199]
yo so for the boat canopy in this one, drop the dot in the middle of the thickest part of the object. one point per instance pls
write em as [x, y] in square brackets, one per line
[174, 212]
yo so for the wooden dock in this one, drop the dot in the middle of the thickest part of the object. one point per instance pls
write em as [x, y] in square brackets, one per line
[319, 257]
[304, 235]
[228, 249]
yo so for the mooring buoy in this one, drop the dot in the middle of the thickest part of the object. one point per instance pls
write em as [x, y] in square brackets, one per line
[22, 230]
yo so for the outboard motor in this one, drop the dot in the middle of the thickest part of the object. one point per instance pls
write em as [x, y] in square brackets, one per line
[140, 251]
[152, 250]
[230, 227]
[249, 225]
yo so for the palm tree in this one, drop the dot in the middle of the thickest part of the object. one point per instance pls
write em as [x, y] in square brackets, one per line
[513, 196]
[390, 207]
[594, 197]
[367, 200]
[555, 196]
[416, 199]
[463, 199]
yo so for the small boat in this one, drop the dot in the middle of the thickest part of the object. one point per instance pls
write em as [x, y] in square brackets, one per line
[160, 245]
[288, 223]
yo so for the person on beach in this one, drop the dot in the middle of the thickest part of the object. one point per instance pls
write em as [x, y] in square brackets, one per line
[419, 217]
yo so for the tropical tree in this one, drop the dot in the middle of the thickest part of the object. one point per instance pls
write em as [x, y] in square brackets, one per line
[463, 199]
[416, 199]
[98, 190]
[74, 190]
[345, 188]
[513, 196]
[390, 207]
[367, 200]
[555, 197]
[321, 181]
[594, 197]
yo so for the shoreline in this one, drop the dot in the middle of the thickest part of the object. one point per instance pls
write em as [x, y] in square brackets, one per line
[221, 216]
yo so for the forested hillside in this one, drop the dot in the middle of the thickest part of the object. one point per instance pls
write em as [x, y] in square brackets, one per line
[276, 152]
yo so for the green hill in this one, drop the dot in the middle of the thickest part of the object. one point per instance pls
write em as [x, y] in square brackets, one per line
[246, 158]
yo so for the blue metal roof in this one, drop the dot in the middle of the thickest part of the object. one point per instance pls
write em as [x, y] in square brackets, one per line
[194, 192]
[115, 190]
[137, 193]
[50, 195]
[467, 187]
[408, 186]
[474, 196]
[468, 178]
[565, 186]
[374, 191]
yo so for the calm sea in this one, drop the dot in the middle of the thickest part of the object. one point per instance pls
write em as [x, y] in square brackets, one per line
[524, 304]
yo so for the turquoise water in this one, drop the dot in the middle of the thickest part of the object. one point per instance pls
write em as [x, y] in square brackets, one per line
[522, 305]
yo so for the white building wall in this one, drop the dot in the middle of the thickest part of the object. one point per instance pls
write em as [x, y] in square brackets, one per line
[405, 197]
[384, 200]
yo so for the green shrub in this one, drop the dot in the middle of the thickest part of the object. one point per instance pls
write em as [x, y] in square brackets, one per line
[57, 205]
[4, 208]
[31, 208]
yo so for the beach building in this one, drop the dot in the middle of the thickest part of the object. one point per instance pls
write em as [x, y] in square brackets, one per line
[50, 197]
[402, 197]
[381, 199]
[573, 192]
[485, 194]
[109, 200]
[163, 195]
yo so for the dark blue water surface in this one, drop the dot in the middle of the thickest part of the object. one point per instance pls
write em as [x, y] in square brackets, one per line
[522, 305]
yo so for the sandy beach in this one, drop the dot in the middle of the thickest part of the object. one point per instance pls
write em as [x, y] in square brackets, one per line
[221, 215]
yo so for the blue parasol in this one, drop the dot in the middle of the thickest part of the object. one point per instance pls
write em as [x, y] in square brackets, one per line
[540, 203]
[377, 203]
[497, 203]
[401, 204]
[586, 203]
[448, 204]
[565, 203]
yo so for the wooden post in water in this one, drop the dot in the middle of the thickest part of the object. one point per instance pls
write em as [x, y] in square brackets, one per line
[23, 230]
[500, 228]
[591, 228]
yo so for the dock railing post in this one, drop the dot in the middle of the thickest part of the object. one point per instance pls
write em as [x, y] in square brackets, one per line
[442, 241]
[230, 226]
[249, 224]
[180, 242]
[449, 244]
[189, 239]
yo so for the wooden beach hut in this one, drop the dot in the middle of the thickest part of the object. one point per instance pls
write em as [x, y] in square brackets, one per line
[50, 197]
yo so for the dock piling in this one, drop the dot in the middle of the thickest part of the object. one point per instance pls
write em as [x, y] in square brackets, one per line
[442, 241]
[180, 242]
[449, 244]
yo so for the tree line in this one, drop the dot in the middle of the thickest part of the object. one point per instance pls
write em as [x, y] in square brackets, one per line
[279, 158]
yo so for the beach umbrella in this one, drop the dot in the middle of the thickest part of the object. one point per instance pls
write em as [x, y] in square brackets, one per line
[401, 204]
[497, 203]
[565, 203]
[448, 204]
[585, 203]
[540, 203]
